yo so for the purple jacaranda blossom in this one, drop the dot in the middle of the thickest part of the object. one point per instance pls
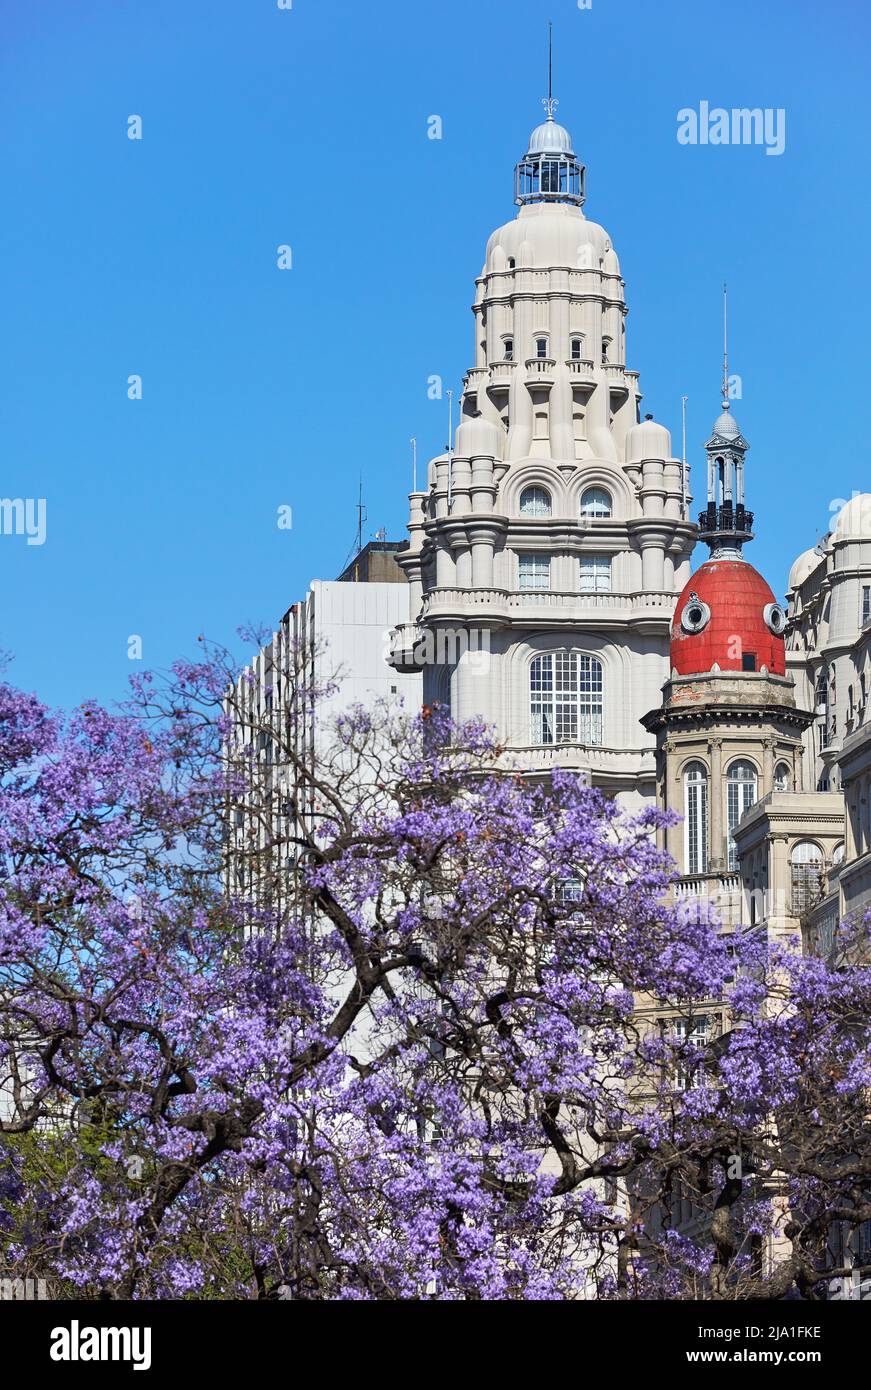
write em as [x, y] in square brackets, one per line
[400, 1023]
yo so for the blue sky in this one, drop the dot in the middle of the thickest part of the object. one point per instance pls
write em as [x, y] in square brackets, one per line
[265, 388]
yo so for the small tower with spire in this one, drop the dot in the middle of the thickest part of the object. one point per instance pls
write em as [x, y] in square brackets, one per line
[725, 524]
[550, 172]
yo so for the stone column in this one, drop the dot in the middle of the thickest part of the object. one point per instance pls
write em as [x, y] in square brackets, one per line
[767, 766]
[715, 807]
[852, 807]
[482, 538]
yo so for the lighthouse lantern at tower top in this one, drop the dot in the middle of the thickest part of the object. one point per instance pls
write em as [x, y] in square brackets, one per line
[550, 172]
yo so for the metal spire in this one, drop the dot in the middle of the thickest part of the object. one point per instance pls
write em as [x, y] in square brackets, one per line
[725, 346]
[550, 102]
[550, 60]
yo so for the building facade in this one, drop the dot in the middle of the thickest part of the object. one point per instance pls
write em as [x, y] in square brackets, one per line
[328, 652]
[549, 571]
[554, 536]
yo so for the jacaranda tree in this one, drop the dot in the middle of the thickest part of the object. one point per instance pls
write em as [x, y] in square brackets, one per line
[392, 1023]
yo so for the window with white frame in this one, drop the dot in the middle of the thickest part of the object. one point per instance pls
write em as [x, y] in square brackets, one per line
[535, 501]
[508, 350]
[566, 698]
[596, 503]
[595, 574]
[866, 603]
[696, 818]
[541, 346]
[577, 348]
[533, 571]
[740, 795]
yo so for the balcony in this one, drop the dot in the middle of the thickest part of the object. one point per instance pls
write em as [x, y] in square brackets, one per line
[539, 371]
[403, 641]
[553, 607]
[580, 371]
[615, 766]
[615, 373]
[501, 374]
[473, 379]
[717, 891]
[725, 521]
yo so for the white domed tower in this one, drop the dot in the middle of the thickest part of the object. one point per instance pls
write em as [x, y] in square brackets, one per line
[549, 547]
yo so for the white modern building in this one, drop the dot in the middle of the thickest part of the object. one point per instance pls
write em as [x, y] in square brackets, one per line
[335, 641]
[556, 533]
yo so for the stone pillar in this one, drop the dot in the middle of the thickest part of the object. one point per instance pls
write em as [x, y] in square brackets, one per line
[652, 565]
[653, 487]
[780, 905]
[667, 835]
[461, 485]
[519, 399]
[715, 806]
[852, 807]
[483, 486]
[446, 570]
[767, 766]
[412, 561]
[464, 566]
[483, 542]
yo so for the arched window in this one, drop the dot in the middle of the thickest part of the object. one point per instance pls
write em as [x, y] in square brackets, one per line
[782, 778]
[595, 502]
[577, 348]
[806, 865]
[838, 853]
[696, 818]
[541, 346]
[566, 698]
[508, 349]
[740, 794]
[535, 501]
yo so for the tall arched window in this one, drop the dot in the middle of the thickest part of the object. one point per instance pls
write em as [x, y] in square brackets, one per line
[806, 865]
[535, 501]
[740, 794]
[566, 703]
[696, 818]
[596, 502]
[782, 778]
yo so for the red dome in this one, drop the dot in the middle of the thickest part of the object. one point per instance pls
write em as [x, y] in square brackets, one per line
[729, 624]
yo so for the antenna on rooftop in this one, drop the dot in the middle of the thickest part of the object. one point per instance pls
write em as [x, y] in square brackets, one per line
[362, 516]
